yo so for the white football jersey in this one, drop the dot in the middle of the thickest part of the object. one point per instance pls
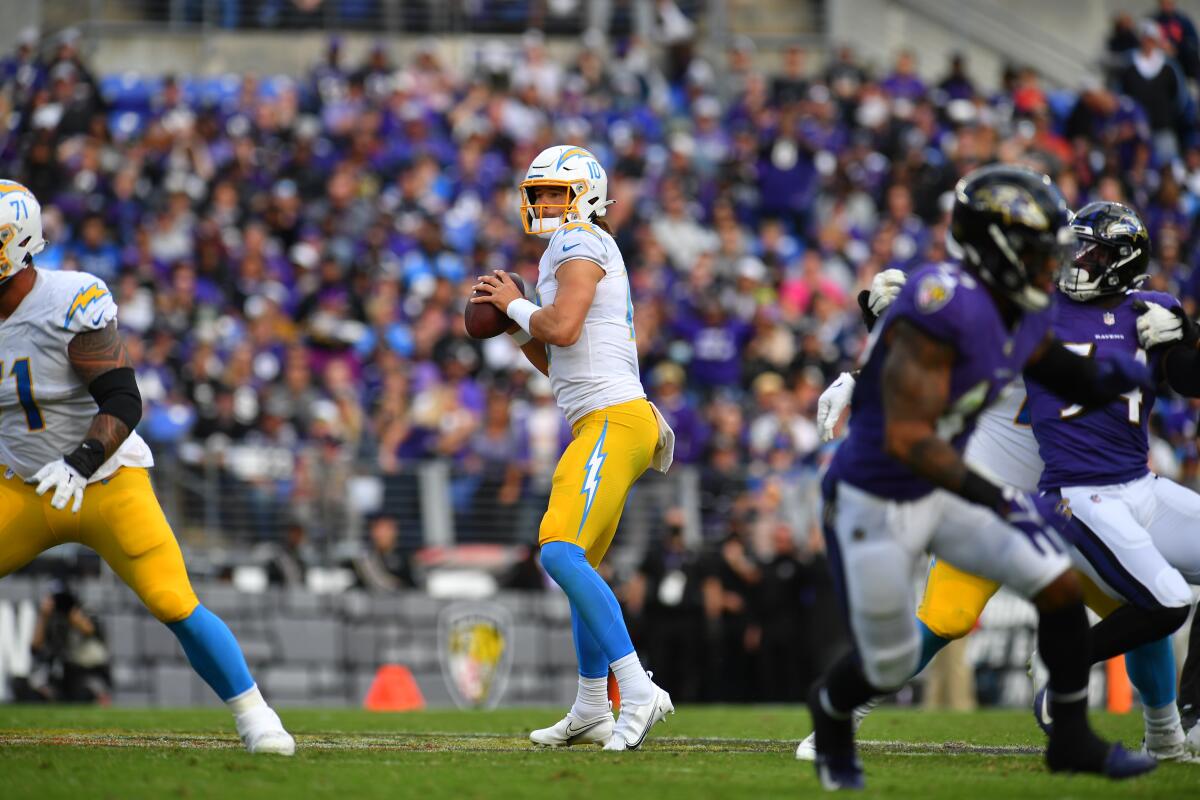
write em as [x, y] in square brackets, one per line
[1002, 446]
[601, 369]
[45, 409]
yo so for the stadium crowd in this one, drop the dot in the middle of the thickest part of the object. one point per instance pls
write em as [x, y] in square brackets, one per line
[292, 254]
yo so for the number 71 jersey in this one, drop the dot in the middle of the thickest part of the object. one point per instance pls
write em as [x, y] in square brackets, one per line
[45, 408]
[1104, 446]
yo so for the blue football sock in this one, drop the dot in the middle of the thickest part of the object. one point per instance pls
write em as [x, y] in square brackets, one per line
[213, 652]
[1151, 669]
[931, 645]
[591, 597]
[592, 662]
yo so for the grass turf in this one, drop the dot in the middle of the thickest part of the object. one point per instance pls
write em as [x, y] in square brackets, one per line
[702, 752]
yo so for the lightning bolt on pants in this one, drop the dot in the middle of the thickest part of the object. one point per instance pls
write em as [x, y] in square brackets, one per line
[611, 449]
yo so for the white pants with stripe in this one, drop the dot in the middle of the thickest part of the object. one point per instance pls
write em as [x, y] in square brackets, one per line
[874, 546]
[1140, 540]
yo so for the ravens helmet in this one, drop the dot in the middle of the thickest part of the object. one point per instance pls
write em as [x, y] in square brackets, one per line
[1112, 255]
[1013, 226]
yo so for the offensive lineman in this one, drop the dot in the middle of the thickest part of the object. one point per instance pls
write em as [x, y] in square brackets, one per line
[68, 407]
[582, 337]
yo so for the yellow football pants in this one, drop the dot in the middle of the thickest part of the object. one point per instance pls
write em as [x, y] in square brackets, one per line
[611, 450]
[954, 599]
[120, 519]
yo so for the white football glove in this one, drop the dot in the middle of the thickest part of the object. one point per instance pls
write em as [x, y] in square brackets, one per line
[885, 288]
[1158, 325]
[832, 402]
[66, 483]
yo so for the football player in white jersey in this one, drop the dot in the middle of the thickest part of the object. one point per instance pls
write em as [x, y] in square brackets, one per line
[580, 333]
[73, 468]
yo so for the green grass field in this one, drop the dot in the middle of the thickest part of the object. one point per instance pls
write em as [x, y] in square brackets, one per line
[702, 752]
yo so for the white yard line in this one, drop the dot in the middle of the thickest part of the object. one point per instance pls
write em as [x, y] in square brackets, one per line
[425, 741]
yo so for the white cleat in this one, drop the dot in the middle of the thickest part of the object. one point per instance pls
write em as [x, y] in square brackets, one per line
[1169, 745]
[1191, 744]
[636, 721]
[1038, 672]
[262, 732]
[571, 730]
[807, 749]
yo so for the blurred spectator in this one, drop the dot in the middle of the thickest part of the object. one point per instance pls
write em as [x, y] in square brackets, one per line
[1123, 38]
[71, 659]
[665, 598]
[903, 83]
[1179, 34]
[1154, 80]
[734, 632]
[790, 653]
[287, 561]
[667, 391]
[957, 84]
[383, 567]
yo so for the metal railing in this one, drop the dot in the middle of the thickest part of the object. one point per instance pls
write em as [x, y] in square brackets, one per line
[247, 498]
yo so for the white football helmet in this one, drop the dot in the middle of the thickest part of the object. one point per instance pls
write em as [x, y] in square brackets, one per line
[577, 171]
[20, 228]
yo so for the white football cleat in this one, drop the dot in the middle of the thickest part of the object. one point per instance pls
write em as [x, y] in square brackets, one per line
[1191, 742]
[807, 749]
[571, 730]
[262, 732]
[636, 721]
[1168, 745]
[1038, 672]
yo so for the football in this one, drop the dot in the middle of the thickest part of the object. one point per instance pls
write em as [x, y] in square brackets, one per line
[484, 320]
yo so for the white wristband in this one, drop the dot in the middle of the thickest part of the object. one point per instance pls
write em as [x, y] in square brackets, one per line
[520, 311]
[521, 338]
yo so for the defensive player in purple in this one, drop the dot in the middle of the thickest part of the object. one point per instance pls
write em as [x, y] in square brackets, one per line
[1139, 534]
[956, 336]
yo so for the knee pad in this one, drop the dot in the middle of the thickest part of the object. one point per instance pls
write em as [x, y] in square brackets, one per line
[1173, 591]
[947, 620]
[882, 619]
[169, 605]
[888, 667]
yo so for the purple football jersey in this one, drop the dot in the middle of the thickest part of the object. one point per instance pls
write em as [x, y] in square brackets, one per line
[1106, 445]
[950, 305]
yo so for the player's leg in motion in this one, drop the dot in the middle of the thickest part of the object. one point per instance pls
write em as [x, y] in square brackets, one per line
[123, 522]
[1118, 548]
[1174, 531]
[949, 610]
[872, 545]
[1189, 685]
[24, 529]
[612, 448]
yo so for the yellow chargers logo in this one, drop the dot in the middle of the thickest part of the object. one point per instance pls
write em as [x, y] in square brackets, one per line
[84, 298]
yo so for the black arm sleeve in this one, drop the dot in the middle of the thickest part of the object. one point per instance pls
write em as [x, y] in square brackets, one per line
[116, 392]
[1181, 366]
[1072, 377]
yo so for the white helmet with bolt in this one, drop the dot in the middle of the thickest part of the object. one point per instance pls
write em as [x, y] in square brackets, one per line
[20, 228]
[571, 168]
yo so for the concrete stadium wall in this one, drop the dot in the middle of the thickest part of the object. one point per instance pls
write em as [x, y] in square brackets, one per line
[303, 648]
